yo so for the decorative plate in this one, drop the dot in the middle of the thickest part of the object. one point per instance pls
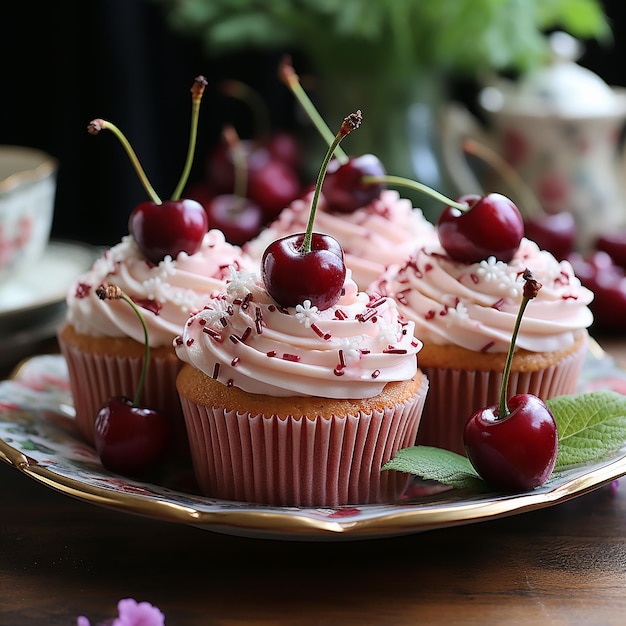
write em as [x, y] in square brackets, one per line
[37, 436]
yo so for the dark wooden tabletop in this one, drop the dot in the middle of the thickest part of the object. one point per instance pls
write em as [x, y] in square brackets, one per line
[61, 557]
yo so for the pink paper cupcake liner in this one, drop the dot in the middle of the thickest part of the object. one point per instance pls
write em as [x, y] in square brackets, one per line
[455, 394]
[300, 461]
[95, 378]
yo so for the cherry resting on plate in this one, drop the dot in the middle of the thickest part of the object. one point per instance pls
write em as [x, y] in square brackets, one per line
[491, 226]
[167, 228]
[513, 446]
[130, 439]
[308, 266]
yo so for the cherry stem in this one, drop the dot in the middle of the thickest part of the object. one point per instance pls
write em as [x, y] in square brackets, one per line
[240, 161]
[292, 80]
[240, 91]
[400, 181]
[350, 123]
[197, 89]
[531, 289]
[509, 174]
[113, 292]
[95, 126]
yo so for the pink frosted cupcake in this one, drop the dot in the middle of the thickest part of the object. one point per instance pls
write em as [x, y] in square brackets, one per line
[103, 341]
[295, 406]
[385, 231]
[465, 314]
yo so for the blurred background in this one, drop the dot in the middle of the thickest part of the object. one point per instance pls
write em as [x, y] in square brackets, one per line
[133, 61]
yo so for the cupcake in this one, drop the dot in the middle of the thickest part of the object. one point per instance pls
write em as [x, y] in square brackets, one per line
[385, 231]
[298, 406]
[103, 341]
[465, 313]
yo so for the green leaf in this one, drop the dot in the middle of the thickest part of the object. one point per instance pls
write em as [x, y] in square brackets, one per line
[437, 464]
[590, 425]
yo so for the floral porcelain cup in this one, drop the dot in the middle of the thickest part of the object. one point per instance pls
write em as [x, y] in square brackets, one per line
[560, 128]
[27, 194]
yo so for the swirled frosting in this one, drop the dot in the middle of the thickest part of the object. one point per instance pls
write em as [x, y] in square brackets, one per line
[385, 231]
[351, 350]
[475, 305]
[167, 293]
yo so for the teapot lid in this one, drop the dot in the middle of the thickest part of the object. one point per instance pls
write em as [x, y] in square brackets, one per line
[562, 87]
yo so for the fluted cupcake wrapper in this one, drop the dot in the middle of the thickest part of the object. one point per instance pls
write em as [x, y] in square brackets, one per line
[323, 461]
[455, 394]
[95, 378]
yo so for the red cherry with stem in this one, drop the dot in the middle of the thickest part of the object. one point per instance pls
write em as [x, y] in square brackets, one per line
[555, 232]
[169, 228]
[159, 228]
[513, 446]
[130, 439]
[308, 266]
[238, 217]
[491, 226]
[292, 276]
[345, 188]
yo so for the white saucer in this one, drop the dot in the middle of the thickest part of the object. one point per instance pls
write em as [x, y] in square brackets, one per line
[46, 283]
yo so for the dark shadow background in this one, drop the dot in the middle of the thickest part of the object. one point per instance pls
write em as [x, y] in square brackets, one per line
[67, 62]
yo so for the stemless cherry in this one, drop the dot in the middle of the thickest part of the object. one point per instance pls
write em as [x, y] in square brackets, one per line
[168, 228]
[292, 277]
[513, 446]
[308, 266]
[491, 226]
[345, 189]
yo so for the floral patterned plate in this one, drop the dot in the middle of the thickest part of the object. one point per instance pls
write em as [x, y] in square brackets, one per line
[37, 436]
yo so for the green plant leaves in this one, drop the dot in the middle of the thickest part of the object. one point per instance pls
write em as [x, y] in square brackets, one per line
[590, 425]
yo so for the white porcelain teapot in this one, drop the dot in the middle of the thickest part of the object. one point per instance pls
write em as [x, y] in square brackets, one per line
[560, 128]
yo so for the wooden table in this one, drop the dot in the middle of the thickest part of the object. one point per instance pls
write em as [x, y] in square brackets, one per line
[60, 558]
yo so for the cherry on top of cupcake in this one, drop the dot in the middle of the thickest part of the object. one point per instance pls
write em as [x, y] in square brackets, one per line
[165, 227]
[308, 266]
[471, 229]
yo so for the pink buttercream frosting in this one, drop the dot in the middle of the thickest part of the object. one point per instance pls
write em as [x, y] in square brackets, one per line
[351, 350]
[475, 305]
[385, 231]
[167, 293]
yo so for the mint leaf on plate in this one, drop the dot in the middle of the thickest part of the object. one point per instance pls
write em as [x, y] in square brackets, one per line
[437, 464]
[590, 425]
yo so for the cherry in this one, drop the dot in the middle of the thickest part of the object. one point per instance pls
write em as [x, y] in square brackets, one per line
[130, 439]
[273, 186]
[291, 276]
[600, 274]
[614, 244]
[238, 218]
[491, 226]
[345, 189]
[308, 266]
[555, 232]
[513, 446]
[284, 147]
[167, 228]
